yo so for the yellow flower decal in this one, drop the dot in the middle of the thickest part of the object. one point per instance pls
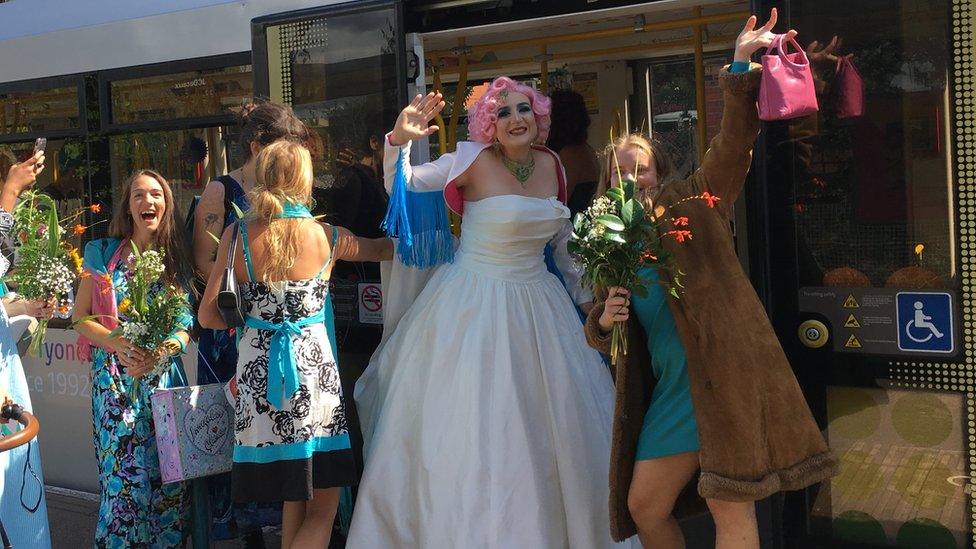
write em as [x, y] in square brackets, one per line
[125, 305]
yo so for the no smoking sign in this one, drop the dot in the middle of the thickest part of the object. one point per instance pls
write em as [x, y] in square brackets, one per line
[370, 303]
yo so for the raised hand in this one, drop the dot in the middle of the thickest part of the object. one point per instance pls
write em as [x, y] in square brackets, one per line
[752, 39]
[414, 121]
[20, 177]
[826, 54]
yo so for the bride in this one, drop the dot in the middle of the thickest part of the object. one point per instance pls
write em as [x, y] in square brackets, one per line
[486, 416]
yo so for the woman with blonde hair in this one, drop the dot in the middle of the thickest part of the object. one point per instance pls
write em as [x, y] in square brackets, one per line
[704, 385]
[292, 442]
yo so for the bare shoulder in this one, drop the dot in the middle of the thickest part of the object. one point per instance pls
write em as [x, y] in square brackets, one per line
[213, 191]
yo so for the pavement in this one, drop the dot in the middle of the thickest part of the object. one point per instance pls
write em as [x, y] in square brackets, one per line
[73, 515]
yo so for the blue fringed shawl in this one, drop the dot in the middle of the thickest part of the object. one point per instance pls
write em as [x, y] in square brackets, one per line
[419, 220]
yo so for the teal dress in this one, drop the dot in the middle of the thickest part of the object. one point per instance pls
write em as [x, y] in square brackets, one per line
[669, 424]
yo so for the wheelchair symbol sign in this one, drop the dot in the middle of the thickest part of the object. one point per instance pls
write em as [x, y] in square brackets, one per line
[925, 322]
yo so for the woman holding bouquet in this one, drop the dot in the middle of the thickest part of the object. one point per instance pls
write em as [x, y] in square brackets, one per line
[136, 509]
[24, 513]
[291, 441]
[485, 415]
[704, 384]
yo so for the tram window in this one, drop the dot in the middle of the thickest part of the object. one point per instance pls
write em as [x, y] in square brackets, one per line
[188, 159]
[873, 194]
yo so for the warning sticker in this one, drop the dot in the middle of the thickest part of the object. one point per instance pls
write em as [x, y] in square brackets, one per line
[882, 324]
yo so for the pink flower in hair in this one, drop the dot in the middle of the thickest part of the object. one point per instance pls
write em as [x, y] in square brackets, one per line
[483, 114]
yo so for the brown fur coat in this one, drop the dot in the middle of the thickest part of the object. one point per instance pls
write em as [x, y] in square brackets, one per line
[756, 432]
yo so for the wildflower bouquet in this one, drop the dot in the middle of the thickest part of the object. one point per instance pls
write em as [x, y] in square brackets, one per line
[47, 264]
[615, 236]
[151, 313]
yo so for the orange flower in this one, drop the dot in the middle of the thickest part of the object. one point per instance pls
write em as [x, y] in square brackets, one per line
[80, 229]
[710, 198]
[96, 208]
[681, 222]
[680, 236]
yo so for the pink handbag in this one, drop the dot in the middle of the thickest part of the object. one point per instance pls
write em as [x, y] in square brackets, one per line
[786, 90]
[848, 89]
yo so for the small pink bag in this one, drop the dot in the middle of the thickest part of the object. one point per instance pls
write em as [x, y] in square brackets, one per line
[786, 90]
[848, 89]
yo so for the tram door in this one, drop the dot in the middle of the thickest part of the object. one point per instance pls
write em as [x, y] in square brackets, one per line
[866, 233]
[342, 69]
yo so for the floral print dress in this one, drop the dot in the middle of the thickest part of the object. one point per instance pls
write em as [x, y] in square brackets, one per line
[136, 509]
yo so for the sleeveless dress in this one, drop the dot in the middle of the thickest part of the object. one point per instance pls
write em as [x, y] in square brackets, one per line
[669, 424]
[486, 416]
[290, 435]
[23, 508]
[219, 349]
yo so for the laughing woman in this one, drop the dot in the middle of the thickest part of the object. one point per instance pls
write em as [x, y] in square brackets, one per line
[136, 509]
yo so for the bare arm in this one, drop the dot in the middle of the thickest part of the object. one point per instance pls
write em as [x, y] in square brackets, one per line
[208, 314]
[350, 247]
[207, 222]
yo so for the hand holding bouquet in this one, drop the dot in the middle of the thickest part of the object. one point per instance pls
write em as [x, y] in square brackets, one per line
[150, 315]
[47, 265]
[610, 240]
[615, 236]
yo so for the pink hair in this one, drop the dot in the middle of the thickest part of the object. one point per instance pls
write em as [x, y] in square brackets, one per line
[483, 114]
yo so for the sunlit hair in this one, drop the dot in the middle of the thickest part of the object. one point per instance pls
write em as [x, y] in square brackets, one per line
[484, 113]
[283, 171]
[168, 236]
[653, 149]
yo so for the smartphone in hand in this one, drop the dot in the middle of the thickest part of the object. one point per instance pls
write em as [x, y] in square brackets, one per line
[39, 145]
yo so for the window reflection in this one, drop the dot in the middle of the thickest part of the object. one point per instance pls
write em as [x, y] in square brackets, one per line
[181, 95]
[873, 192]
[188, 159]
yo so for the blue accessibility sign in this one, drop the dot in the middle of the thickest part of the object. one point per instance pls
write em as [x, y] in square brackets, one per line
[924, 322]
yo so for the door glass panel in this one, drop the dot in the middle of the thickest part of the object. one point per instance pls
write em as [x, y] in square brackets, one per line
[873, 193]
[339, 73]
[903, 468]
[866, 189]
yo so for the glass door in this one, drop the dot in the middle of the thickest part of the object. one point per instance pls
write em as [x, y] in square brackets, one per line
[868, 214]
[343, 70]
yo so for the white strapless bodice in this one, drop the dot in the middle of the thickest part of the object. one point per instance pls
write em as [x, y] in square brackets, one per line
[503, 236]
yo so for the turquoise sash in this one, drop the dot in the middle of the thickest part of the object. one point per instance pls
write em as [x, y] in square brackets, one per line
[282, 374]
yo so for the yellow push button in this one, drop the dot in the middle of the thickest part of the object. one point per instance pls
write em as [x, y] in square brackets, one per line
[813, 334]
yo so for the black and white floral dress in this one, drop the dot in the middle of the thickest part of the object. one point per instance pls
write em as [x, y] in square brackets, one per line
[290, 439]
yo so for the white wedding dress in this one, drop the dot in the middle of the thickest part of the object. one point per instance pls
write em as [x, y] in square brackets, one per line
[486, 416]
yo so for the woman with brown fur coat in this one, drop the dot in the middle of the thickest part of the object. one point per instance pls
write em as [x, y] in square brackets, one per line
[718, 394]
